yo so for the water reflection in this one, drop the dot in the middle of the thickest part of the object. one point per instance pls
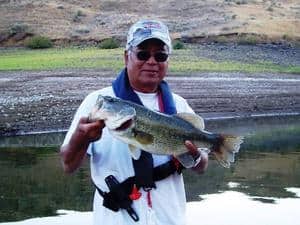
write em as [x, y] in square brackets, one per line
[237, 208]
[229, 207]
[64, 217]
[33, 184]
[265, 177]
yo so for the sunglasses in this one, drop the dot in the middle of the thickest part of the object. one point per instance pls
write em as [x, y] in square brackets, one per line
[145, 55]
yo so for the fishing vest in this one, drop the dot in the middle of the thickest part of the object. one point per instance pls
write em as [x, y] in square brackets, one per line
[121, 194]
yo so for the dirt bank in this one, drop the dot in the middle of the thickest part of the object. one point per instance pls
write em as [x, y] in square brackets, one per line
[94, 20]
[46, 100]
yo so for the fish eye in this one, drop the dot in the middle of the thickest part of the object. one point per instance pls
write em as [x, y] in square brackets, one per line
[109, 98]
[100, 101]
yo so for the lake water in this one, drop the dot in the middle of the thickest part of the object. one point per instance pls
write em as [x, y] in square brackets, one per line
[262, 187]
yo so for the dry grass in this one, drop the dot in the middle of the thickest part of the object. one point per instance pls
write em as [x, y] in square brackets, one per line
[272, 19]
[100, 19]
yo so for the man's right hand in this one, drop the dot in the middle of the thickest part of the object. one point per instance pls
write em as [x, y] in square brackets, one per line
[74, 152]
[88, 132]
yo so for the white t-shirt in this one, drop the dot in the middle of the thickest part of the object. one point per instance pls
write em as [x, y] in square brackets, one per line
[109, 156]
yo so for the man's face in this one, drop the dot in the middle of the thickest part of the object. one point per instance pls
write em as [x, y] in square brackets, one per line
[145, 74]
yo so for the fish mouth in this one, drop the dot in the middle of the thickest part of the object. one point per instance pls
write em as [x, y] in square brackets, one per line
[125, 125]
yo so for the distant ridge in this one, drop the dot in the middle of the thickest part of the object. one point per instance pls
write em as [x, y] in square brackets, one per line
[192, 21]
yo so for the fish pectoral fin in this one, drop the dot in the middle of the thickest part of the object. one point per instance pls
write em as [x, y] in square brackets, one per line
[195, 120]
[135, 152]
[143, 137]
[186, 159]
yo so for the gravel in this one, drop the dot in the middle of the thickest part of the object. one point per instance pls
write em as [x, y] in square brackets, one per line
[279, 54]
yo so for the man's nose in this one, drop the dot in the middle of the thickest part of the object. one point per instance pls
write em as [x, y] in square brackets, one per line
[152, 60]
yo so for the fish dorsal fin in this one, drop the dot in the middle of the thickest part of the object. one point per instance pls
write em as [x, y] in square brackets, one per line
[195, 120]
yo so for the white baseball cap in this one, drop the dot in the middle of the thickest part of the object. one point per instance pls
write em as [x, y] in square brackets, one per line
[147, 29]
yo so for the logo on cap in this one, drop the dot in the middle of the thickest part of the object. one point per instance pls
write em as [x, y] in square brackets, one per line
[147, 29]
[151, 25]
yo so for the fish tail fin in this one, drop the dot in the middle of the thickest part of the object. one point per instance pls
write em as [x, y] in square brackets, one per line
[226, 149]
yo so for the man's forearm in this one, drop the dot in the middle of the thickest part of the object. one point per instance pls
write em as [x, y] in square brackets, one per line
[72, 157]
[74, 152]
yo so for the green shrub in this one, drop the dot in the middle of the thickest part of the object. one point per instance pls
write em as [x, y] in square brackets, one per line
[239, 2]
[38, 42]
[285, 37]
[247, 39]
[18, 28]
[177, 44]
[270, 9]
[109, 43]
[221, 39]
[78, 15]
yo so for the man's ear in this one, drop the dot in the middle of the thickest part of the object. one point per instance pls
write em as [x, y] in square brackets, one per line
[126, 57]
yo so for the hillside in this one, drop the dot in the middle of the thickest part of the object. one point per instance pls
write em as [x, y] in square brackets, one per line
[192, 20]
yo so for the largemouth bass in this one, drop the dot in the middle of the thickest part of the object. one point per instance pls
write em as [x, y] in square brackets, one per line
[159, 133]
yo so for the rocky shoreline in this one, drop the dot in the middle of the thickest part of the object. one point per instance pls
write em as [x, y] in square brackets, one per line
[42, 101]
[47, 100]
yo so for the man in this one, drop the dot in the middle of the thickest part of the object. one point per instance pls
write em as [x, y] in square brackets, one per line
[143, 198]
